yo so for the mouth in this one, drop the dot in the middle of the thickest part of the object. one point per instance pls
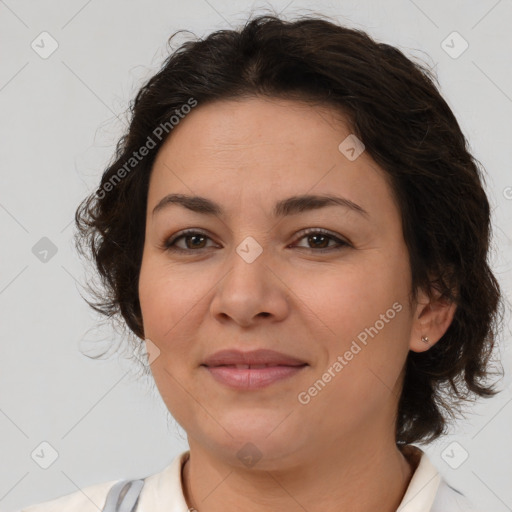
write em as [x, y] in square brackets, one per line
[261, 358]
[251, 377]
[252, 370]
[255, 366]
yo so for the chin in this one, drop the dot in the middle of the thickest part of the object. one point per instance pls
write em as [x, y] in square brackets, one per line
[264, 445]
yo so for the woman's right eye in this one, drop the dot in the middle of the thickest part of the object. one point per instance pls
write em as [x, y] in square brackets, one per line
[197, 239]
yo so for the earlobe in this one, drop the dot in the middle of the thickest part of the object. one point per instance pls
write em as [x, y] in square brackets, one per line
[432, 319]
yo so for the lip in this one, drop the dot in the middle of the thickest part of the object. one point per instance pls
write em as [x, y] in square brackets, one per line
[233, 368]
[252, 378]
[253, 357]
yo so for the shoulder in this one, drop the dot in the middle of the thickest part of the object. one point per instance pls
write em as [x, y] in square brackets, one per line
[88, 499]
[449, 499]
[161, 491]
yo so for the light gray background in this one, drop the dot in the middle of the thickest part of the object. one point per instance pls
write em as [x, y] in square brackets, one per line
[57, 132]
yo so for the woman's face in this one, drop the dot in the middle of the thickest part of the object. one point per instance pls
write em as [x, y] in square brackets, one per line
[251, 276]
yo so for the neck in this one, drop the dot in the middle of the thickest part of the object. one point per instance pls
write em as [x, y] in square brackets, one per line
[371, 477]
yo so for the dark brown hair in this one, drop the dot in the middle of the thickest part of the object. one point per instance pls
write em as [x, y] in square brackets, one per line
[394, 107]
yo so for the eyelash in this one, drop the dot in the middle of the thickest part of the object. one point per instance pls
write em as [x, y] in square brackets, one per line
[169, 244]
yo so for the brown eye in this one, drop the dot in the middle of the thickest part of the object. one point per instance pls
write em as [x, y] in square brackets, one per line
[194, 240]
[319, 240]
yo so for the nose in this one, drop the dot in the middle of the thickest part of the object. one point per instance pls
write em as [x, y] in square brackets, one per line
[250, 293]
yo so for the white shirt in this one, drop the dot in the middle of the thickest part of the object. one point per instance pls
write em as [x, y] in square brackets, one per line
[162, 492]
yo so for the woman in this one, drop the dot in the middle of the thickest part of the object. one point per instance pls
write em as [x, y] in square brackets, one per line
[295, 227]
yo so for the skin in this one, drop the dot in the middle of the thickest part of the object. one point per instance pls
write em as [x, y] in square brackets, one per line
[338, 451]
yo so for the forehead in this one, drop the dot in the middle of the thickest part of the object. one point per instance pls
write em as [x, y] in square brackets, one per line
[267, 127]
[262, 150]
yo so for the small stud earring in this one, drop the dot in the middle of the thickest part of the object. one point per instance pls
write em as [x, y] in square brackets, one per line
[424, 339]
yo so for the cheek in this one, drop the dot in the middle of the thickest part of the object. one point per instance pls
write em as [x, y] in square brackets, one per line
[365, 315]
[169, 298]
[169, 301]
[351, 298]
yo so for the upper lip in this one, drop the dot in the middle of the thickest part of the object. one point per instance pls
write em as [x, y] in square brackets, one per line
[256, 357]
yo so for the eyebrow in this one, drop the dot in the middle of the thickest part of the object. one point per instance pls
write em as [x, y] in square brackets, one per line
[290, 206]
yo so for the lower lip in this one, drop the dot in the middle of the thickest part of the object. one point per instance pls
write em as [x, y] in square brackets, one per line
[252, 378]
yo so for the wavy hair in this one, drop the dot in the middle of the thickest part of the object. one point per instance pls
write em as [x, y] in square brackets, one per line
[393, 105]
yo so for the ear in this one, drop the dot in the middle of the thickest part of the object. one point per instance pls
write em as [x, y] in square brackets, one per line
[432, 317]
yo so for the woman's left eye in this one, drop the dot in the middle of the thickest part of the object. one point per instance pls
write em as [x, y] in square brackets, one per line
[319, 238]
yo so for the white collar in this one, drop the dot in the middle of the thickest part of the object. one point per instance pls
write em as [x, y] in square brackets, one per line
[163, 491]
[424, 484]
